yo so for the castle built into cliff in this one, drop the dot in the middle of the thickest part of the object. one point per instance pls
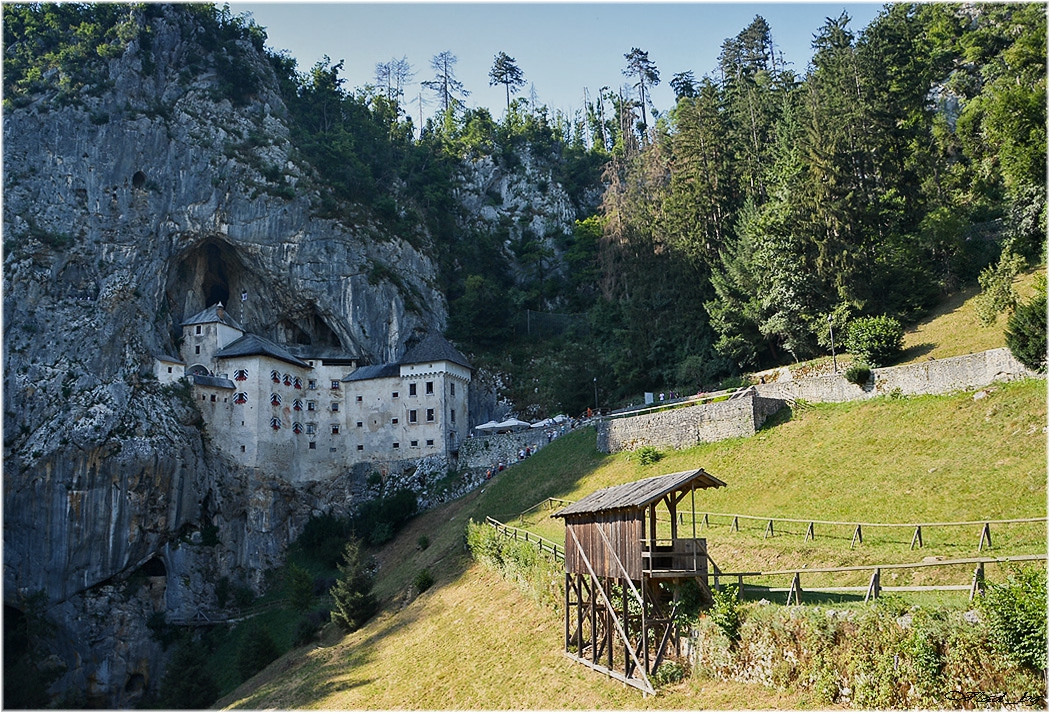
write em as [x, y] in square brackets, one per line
[309, 416]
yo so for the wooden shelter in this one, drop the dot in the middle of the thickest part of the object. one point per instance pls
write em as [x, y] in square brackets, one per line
[624, 564]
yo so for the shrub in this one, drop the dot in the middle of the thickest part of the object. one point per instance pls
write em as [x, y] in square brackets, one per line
[423, 542]
[257, 650]
[1026, 333]
[727, 612]
[300, 586]
[669, 672]
[647, 455]
[858, 374]
[1016, 614]
[875, 340]
[187, 683]
[423, 581]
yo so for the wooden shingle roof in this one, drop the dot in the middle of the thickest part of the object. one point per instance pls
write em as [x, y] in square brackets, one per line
[640, 493]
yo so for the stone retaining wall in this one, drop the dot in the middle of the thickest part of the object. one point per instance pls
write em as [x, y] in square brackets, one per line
[936, 376]
[687, 426]
[483, 452]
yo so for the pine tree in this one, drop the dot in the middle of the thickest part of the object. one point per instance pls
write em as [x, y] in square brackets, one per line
[504, 71]
[353, 601]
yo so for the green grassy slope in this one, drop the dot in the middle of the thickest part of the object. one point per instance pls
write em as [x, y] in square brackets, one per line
[473, 641]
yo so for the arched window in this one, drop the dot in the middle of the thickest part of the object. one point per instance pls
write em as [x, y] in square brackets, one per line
[241, 397]
[297, 427]
[240, 375]
[275, 424]
[275, 399]
[275, 376]
[297, 404]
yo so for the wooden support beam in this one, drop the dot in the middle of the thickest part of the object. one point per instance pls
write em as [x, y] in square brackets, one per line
[873, 586]
[769, 530]
[986, 537]
[916, 539]
[705, 522]
[735, 526]
[796, 590]
[858, 536]
[977, 586]
[809, 533]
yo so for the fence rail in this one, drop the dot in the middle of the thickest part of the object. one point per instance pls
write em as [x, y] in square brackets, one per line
[874, 587]
[985, 539]
[541, 543]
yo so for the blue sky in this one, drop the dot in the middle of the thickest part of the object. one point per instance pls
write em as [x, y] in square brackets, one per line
[561, 48]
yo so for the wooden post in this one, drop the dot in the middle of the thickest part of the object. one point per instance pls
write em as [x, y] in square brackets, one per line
[796, 590]
[986, 536]
[977, 586]
[874, 586]
[917, 537]
[735, 527]
[769, 530]
[568, 603]
[705, 522]
[740, 585]
[809, 533]
[857, 537]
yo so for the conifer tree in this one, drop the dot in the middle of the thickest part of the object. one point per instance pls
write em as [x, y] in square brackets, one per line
[506, 72]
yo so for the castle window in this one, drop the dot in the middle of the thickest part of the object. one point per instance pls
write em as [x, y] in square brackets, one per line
[360, 424]
[396, 445]
[241, 397]
[275, 424]
[430, 414]
[169, 369]
[411, 389]
[335, 383]
[240, 375]
[393, 421]
[414, 444]
[213, 398]
[297, 427]
[394, 395]
[430, 442]
[335, 406]
[275, 376]
[275, 399]
[311, 384]
[199, 329]
[297, 404]
[452, 388]
[242, 449]
[360, 447]
[335, 429]
[430, 387]
[197, 349]
[412, 416]
[311, 405]
[452, 416]
[313, 445]
[287, 379]
[358, 399]
[311, 428]
[297, 382]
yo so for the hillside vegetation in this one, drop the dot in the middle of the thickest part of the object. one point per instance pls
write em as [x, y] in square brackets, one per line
[473, 641]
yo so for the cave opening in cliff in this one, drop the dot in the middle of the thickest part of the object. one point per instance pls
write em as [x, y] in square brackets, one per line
[215, 284]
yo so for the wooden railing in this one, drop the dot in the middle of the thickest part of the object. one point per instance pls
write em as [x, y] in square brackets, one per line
[541, 543]
[678, 555]
[874, 587]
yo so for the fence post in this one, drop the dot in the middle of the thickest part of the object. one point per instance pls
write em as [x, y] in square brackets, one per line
[977, 587]
[705, 521]
[857, 537]
[917, 537]
[735, 527]
[769, 530]
[809, 533]
[874, 586]
[796, 590]
[986, 536]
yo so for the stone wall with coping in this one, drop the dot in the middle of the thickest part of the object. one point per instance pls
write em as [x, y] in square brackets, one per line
[686, 426]
[482, 452]
[936, 376]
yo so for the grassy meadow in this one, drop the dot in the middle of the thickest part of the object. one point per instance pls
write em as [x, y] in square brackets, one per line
[475, 641]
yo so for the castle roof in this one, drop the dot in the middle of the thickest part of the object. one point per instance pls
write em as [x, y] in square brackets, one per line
[216, 381]
[376, 371]
[215, 313]
[434, 347]
[167, 357]
[254, 345]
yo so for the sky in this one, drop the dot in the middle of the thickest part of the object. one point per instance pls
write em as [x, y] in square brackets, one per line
[562, 48]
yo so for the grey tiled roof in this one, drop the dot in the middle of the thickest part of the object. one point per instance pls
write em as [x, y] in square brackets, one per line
[216, 381]
[640, 493]
[434, 347]
[212, 314]
[253, 344]
[377, 371]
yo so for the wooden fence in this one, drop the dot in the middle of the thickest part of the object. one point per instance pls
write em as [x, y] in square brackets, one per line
[544, 545]
[874, 587]
[984, 539]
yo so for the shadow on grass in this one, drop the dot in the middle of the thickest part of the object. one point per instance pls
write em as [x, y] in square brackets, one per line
[753, 593]
[914, 352]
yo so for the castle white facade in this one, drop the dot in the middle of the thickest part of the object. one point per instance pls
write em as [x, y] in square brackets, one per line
[310, 417]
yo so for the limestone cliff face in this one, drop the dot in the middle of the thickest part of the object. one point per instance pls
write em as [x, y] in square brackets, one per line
[126, 211]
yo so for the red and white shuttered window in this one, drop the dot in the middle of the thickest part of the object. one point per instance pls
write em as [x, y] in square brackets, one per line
[297, 427]
[240, 375]
[275, 424]
[297, 382]
[297, 404]
[275, 399]
[275, 376]
[241, 397]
